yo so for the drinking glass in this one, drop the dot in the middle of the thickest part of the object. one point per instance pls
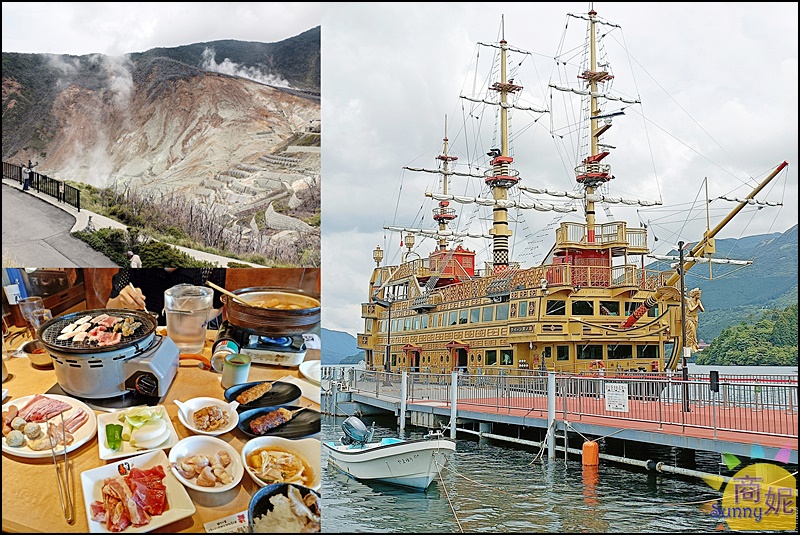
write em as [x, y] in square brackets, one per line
[187, 307]
[26, 306]
[40, 317]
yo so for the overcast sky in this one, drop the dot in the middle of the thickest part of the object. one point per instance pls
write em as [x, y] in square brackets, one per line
[116, 28]
[718, 84]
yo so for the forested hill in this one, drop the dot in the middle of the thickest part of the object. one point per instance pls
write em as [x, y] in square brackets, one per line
[737, 293]
[772, 340]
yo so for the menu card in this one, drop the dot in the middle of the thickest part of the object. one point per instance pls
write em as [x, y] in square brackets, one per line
[236, 523]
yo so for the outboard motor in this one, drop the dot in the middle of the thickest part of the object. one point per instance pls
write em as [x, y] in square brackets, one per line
[355, 432]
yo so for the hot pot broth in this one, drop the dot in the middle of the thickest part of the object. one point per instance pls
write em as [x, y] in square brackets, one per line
[273, 464]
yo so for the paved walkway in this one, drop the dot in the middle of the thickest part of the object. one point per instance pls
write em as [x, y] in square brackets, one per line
[37, 234]
[46, 241]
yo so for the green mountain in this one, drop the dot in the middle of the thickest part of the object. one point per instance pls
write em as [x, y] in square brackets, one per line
[742, 293]
[772, 340]
[339, 347]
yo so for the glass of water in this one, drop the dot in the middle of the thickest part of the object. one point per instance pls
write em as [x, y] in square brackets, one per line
[187, 308]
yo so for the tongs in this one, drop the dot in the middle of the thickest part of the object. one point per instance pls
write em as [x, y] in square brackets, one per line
[69, 507]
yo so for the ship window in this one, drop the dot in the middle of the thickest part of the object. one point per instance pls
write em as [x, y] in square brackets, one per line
[487, 314]
[631, 306]
[466, 262]
[506, 357]
[590, 352]
[502, 312]
[472, 358]
[649, 351]
[394, 327]
[368, 326]
[434, 320]
[394, 360]
[547, 353]
[523, 309]
[424, 321]
[609, 308]
[462, 316]
[491, 357]
[555, 308]
[452, 317]
[653, 312]
[407, 326]
[474, 315]
[441, 358]
[562, 352]
[416, 322]
[620, 352]
[479, 358]
[583, 308]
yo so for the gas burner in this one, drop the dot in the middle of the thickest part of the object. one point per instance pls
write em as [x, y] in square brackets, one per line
[263, 349]
[280, 341]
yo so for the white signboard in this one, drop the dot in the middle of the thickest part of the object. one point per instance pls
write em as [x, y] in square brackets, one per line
[617, 397]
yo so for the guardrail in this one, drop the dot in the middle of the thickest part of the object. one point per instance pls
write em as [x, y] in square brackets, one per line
[758, 404]
[58, 189]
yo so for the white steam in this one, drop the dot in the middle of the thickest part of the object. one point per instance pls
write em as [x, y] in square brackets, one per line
[234, 69]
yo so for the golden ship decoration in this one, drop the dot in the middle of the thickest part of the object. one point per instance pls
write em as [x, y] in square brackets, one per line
[592, 305]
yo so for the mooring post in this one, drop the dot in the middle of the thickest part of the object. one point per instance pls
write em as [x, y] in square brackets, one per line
[551, 415]
[403, 394]
[453, 403]
[334, 395]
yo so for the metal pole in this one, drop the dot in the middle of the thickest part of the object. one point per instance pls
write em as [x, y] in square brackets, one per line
[403, 395]
[387, 366]
[685, 370]
[453, 403]
[551, 415]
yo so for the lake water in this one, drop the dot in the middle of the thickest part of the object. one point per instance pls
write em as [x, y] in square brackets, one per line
[501, 487]
[494, 488]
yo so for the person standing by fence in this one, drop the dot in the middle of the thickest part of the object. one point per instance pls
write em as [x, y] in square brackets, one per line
[26, 178]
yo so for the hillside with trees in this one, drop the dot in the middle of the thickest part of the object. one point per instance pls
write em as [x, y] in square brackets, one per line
[770, 340]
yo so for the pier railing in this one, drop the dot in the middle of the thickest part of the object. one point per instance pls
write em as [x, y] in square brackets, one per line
[758, 404]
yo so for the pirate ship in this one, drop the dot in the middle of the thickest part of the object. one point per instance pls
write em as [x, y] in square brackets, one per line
[591, 304]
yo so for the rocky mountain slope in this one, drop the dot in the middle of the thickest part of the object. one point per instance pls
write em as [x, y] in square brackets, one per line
[232, 126]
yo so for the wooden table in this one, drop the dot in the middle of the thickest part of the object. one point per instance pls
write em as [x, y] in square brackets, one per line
[30, 492]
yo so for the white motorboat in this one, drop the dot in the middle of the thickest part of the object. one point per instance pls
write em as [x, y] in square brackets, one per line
[410, 463]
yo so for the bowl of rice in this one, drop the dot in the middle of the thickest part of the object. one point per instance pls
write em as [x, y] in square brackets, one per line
[284, 508]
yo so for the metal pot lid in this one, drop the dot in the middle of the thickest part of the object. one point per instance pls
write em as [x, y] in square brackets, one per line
[50, 331]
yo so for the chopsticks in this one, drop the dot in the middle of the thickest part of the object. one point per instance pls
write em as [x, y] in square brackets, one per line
[68, 515]
[228, 293]
[134, 291]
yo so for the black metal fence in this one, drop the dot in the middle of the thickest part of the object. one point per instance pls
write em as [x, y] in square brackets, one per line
[61, 191]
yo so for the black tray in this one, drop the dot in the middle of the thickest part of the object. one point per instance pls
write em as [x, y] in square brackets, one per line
[303, 424]
[280, 394]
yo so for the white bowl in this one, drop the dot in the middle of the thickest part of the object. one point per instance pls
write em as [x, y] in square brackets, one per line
[195, 404]
[308, 449]
[207, 446]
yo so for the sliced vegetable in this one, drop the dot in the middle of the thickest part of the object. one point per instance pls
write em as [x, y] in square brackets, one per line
[114, 436]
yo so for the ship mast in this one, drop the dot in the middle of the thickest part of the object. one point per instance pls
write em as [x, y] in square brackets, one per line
[501, 177]
[444, 214]
[591, 173]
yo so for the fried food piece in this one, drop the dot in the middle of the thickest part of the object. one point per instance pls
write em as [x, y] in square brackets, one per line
[271, 420]
[210, 418]
[253, 393]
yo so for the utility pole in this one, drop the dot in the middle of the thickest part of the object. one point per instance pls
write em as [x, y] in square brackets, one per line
[685, 370]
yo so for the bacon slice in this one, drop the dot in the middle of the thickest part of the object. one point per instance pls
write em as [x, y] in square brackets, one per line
[98, 319]
[41, 408]
[117, 488]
